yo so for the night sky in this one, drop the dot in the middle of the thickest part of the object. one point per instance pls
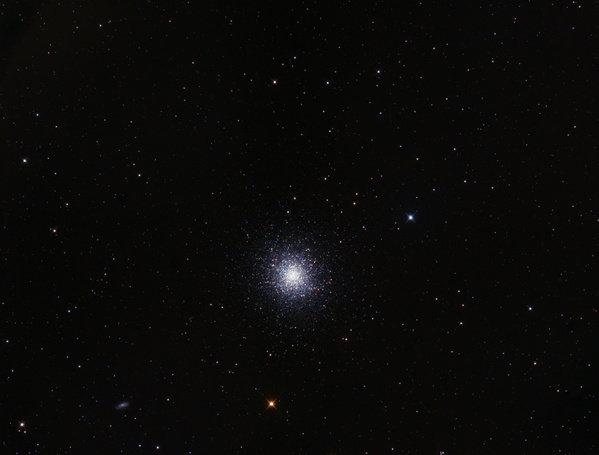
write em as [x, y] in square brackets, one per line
[299, 227]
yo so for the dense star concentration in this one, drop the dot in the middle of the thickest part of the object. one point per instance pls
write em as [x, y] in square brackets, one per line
[299, 227]
[294, 278]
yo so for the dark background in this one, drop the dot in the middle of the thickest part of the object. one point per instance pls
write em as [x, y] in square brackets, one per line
[152, 152]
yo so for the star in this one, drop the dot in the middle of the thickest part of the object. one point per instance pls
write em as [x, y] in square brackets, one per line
[271, 404]
[411, 217]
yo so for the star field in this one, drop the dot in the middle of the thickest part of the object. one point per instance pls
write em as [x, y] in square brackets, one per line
[299, 228]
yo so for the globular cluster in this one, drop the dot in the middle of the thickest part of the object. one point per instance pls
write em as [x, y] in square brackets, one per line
[292, 278]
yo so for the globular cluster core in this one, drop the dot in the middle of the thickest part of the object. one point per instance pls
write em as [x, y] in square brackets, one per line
[292, 277]
[296, 274]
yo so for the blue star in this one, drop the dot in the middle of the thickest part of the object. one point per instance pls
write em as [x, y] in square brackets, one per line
[410, 217]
